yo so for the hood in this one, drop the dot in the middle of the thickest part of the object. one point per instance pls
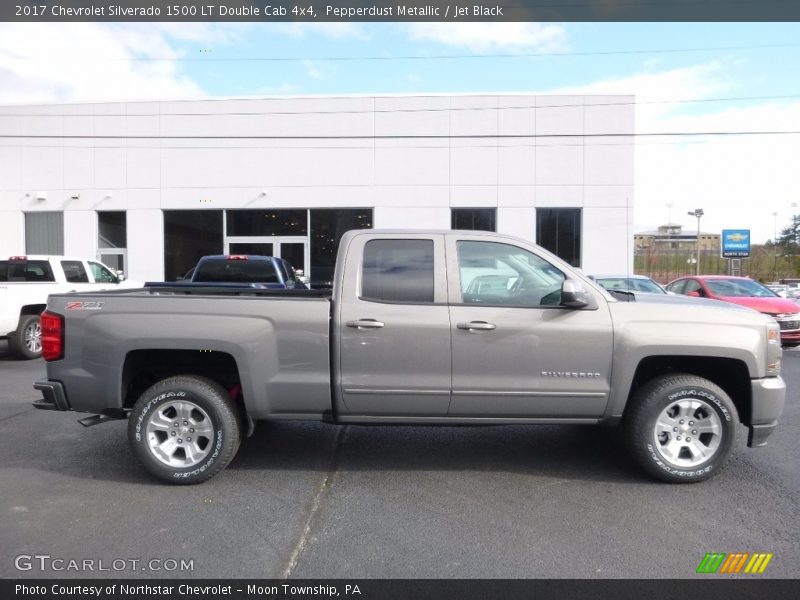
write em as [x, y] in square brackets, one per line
[772, 306]
[676, 299]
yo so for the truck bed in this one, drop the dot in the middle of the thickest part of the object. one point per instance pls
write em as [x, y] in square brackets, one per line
[278, 340]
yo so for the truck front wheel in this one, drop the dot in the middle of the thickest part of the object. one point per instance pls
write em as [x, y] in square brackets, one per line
[681, 428]
[184, 429]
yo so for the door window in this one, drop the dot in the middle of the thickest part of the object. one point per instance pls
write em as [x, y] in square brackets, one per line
[694, 286]
[101, 274]
[503, 275]
[74, 271]
[398, 271]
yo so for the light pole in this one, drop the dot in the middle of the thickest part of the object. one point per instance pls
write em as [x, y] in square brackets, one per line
[697, 212]
[774, 246]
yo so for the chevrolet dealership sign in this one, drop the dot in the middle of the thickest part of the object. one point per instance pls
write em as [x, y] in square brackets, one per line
[735, 243]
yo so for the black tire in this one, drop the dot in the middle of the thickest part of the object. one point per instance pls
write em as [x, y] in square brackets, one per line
[158, 404]
[651, 411]
[18, 343]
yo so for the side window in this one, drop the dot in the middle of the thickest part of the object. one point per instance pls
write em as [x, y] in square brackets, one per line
[693, 286]
[398, 271]
[101, 274]
[677, 287]
[503, 275]
[39, 271]
[74, 271]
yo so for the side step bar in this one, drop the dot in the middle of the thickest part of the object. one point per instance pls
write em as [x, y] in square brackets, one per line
[95, 420]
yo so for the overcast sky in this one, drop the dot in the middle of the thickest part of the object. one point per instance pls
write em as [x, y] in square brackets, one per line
[727, 77]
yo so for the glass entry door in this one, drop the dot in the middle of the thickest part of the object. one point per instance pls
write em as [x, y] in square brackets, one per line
[293, 250]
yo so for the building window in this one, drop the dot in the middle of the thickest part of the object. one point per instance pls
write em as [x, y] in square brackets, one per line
[559, 231]
[266, 222]
[44, 233]
[189, 235]
[398, 271]
[476, 219]
[112, 239]
[327, 228]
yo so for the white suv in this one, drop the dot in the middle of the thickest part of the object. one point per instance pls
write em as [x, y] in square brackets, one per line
[25, 283]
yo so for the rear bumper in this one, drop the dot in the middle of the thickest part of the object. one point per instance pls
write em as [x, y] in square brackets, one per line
[53, 396]
[769, 396]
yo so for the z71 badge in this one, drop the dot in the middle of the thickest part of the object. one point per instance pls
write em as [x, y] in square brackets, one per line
[84, 305]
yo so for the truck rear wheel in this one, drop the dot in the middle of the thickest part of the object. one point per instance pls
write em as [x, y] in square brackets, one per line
[184, 429]
[26, 341]
[681, 428]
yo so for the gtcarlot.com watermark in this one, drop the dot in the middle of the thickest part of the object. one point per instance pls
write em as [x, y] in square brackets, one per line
[48, 563]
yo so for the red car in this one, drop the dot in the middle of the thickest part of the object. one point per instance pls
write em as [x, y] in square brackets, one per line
[745, 292]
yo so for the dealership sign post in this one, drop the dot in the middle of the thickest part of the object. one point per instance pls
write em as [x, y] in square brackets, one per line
[735, 243]
[735, 247]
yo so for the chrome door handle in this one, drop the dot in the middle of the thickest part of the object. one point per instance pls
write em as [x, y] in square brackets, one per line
[366, 324]
[477, 326]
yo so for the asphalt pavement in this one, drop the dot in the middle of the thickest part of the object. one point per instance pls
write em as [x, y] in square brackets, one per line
[322, 501]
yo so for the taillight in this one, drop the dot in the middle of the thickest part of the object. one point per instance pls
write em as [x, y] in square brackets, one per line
[237, 257]
[52, 335]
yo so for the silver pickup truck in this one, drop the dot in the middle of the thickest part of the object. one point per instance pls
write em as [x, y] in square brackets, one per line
[436, 327]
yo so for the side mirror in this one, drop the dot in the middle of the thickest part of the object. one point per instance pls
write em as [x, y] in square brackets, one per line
[120, 278]
[574, 295]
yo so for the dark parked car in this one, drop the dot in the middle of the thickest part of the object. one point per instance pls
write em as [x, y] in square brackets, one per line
[745, 292]
[249, 270]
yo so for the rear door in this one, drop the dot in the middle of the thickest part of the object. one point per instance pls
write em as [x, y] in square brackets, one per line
[516, 351]
[393, 327]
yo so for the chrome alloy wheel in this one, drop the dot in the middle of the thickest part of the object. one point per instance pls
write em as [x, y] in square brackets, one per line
[33, 337]
[688, 432]
[179, 434]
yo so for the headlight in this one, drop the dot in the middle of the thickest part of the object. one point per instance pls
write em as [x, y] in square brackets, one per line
[774, 351]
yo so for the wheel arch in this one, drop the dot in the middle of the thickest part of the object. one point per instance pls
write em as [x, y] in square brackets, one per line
[731, 374]
[32, 309]
[144, 367]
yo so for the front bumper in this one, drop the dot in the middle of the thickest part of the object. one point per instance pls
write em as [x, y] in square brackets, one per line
[53, 396]
[768, 398]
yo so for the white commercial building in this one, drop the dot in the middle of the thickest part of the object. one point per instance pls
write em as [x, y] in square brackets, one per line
[151, 186]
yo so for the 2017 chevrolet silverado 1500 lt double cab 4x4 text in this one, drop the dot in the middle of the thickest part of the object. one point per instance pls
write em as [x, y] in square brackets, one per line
[406, 338]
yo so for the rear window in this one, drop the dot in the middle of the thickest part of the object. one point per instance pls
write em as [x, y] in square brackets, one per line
[34, 270]
[236, 271]
[398, 271]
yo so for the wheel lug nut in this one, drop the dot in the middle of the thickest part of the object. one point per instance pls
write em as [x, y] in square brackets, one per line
[681, 421]
[694, 431]
[177, 424]
[674, 429]
[172, 433]
[688, 439]
[191, 429]
[186, 422]
[180, 441]
[188, 439]
[691, 422]
[679, 437]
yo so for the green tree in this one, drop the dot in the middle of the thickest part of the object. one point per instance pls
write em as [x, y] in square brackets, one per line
[789, 239]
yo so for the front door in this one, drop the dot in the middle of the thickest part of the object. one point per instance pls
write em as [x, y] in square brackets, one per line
[394, 329]
[516, 351]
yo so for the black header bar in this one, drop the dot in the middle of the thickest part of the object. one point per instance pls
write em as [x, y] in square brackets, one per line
[452, 11]
[707, 587]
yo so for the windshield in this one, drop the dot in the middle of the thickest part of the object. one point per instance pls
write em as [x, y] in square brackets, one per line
[633, 284]
[739, 288]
